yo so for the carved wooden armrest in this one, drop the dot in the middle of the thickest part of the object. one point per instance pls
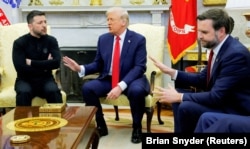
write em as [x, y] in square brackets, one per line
[56, 73]
[153, 76]
[152, 81]
[158, 72]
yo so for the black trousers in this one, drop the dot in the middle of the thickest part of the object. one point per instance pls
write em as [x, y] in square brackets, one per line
[26, 90]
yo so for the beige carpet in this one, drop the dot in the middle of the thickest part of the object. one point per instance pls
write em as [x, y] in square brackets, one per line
[120, 131]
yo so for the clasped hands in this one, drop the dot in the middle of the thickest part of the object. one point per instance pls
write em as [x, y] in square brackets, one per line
[164, 95]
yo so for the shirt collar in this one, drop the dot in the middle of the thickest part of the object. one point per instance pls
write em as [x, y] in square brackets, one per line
[217, 48]
[122, 36]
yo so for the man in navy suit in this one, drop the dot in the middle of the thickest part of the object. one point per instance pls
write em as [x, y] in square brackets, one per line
[213, 122]
[227, 90]
[132, 81]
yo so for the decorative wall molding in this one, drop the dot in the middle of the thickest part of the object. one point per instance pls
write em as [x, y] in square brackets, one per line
[94, 16]
[93, 8]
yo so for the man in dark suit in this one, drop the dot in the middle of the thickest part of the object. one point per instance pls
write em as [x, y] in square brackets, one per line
[132, 81]
[226, 91]
[213, 122]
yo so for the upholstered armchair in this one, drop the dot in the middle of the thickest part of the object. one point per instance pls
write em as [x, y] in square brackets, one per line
[7, 71]
[155, 47]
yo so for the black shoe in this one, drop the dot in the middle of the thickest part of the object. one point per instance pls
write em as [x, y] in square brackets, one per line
[136, 136]
[103, 131]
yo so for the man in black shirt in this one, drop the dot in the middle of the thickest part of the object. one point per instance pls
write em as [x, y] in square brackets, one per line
[35, 55]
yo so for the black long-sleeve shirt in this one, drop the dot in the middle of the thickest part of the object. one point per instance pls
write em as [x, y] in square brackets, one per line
[38, 50]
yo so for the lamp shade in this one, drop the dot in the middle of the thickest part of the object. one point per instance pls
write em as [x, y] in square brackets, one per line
[238, 4]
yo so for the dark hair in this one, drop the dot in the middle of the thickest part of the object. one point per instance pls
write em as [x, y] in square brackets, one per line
[32, 14]
[231, 20]
[219, 17]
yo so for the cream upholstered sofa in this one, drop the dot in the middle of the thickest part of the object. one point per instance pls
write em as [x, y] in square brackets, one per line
[155, 41]
[7, 71]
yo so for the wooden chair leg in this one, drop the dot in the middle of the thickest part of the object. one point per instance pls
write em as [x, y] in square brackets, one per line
[94, 140]
[116, 113]
[3, 111]
[149, 113]
[159, 113]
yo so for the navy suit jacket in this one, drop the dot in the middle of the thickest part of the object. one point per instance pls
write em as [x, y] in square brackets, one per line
[229, 86]
[133, 57]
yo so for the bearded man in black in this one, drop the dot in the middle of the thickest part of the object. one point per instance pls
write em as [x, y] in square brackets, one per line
[35, 55]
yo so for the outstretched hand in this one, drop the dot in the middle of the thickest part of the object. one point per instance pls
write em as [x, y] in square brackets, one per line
[164, 68]
[70, 63]
[169, 95]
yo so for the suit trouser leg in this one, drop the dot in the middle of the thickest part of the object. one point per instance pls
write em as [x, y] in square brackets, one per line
[206, 122]
[175, 107]
[23, 93]
[188, 114]
[136, 93]
[211, 122]
[91, 92]
[52, 92]
[137, 105]
[46, 88]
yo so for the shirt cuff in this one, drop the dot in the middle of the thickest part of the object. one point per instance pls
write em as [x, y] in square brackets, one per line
[182, 97]
[122, 85]
[82, 72]
[175, 75]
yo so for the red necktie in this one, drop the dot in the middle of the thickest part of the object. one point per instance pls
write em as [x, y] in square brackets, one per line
[209, 65]
[116, 63]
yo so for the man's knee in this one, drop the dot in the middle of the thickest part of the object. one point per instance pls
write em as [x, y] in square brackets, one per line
[185, 107]
[136, 91]
[23, 90]
[51, 87]
[87, 88]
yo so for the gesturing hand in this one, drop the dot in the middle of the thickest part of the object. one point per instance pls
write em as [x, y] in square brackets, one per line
[164, 68]
[167, 95]
[70, 63]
